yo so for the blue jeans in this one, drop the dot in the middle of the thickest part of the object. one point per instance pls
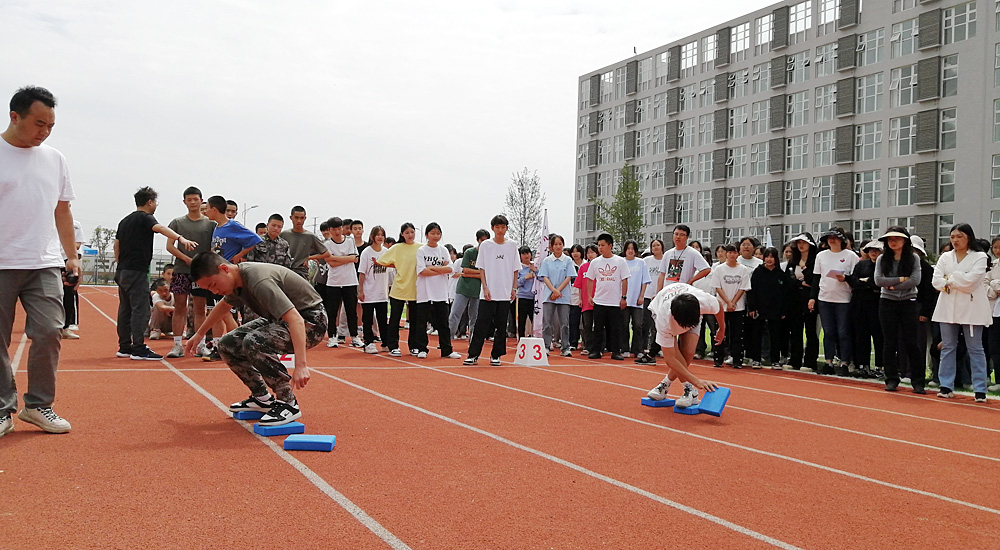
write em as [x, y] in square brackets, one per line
[973, 345]
[836, 320]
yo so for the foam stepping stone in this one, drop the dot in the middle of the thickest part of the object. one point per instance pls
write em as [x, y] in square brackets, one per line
[654, 403]
[310, 442]
[693, 409]
[714, 401]
[248, 415]
[284, 429]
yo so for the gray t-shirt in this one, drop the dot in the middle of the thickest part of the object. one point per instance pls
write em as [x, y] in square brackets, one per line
[301, 246]
[272, 290]
[198, 231]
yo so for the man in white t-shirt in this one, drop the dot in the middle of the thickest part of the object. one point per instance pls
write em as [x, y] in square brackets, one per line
[677, 311]
[681, 264]
[731, 282]
[35, 192]
[498, 263]
[607, 280]
[342, 281]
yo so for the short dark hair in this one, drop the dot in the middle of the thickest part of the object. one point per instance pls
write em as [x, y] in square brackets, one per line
[390, 241]
[334, 223]
[499, 219]
[606, 237]
[166, 267]
[160, 282]
[466, 247]
[260, 226]
[592, 247]
[683, 228]
[297, 208]
[357, 222]
[206, 264]
[192, 191]
[217, 202]
[430, 227]
[323, 226]
[752, 240]
[772, 251]
[144, 195]
[554, 236]
[232, 203]
[633, 244]
[275, 216]
[686, 310]
[25, 97]
[524, 250]
[729, 248]
[482, 234]
[348, 222]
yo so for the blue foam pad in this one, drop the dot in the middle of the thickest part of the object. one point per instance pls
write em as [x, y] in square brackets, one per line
[714, 401]
[654, 403]
[284, 429]
[248, 415]
[687, 410]
[310, 442]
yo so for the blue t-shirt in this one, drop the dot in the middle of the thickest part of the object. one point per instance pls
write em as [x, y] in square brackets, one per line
[556, 270]
[525, 287]
[231, 239]
[640, 276]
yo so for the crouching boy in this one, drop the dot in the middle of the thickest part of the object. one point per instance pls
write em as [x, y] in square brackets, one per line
[292, 320]
[677, 311]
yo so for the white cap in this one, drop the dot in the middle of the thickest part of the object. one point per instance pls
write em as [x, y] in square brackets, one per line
[918, 243]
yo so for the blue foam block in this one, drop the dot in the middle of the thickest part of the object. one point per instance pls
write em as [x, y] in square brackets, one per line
[714, 401]
[248, 415]
[284, 429]
[687, 410]
[654, 403]
[310, 442]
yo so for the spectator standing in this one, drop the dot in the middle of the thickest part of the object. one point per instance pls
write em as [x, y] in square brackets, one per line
[468, 288]
[607, 279]
[898, 274]
[498, 263]
[303, 246]
[769, 299]
[557, 273]
[373, 289]
[639, 281]
[653, 262]
[801, 314]
[831, 295]
[865, 303]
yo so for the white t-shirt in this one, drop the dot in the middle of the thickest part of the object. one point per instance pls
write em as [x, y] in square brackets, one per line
[639, 276]
[681, 265]
[752, 263]
[706, 284]
[376, 276]
[608, 274]
[32, 181]
[343, 274]
[456, 269]
[830, 289]
[432, 288]
[157, 299]
[732, 280]
[667, 329]
[499, 264]
[653, 266]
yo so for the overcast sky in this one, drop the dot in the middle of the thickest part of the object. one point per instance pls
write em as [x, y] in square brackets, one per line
[388, 112]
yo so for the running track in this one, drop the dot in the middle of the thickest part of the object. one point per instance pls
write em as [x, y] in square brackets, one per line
[434, 455]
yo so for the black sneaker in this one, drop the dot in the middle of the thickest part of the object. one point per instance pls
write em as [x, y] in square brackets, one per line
[213, 356]
[617, 357]
[980, 397]
[595, 356]
[281, 413]
[646, 360]
[145, 354]
[253, 404]
[495, 361]
[123, 353]
[891, 385]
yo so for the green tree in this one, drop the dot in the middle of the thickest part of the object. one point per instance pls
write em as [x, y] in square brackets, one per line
[623, 217]
[101, 242]
[523, 208]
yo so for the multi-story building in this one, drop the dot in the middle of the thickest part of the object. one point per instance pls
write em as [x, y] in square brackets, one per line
[802, 116]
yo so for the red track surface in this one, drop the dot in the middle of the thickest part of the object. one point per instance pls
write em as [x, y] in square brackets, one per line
[433, 455]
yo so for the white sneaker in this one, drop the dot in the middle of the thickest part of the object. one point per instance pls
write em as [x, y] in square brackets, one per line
[281, 413]
[453, 355]
[45, 419]
[73, 327]
[332, 342]
[994, 387]
[414, 352]
[203, 350]
[659, 393]
[689, 398]
[370, 348]
[357, 343]
[422, 355]
[68, 334]
[155, 335]
[176, 351]
[6, 424]
[395, 353]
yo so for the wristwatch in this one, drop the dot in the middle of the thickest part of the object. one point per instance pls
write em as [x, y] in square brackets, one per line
[624, 297]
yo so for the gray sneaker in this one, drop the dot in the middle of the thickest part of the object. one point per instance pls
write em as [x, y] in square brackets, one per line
[176, 351]
[46, 419]
[6, 424]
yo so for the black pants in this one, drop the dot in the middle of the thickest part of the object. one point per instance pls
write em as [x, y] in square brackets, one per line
[733, 343]
[752, 329]
[492, 318]
[799, 319]
[525, 307]
[608, 323]
[348, 296]
[575, 314]
[391, 336]
[868, 331]
[900, 323]
[775, 329]
[375, 313]
[71, 303]
[435, 313]
[133, 308]
[633, 316]
[587, 327]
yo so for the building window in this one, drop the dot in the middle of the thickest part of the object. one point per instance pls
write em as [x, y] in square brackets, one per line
[736, 162]
[902, 136]
[995, 222]
[641, 138]
[739, 42]
[761, 78]
[869, 48]
[900, 5]
[797, 153]
[642, 110]
[619, 111]
[684, 207]
[908, 223]
[798, 67]
[706, 129]
[689, 58]
[866, 230]
[620, 83]
[868, 141]
[645, 73]
[791, 230]
[708, 52]
[704, 167]
[869, 93]
[867, 189]
[826, 60]
[604, 151]
[659, 139]
[685, 170]
[823, 194]
[996, 64]
[759, 159]
[641, 173]
[582, 157]
[760, 122]
[602, 184]
[901, 185]
[904, 38]
[738, 122]
[660, 61]
[739, 83]
[736, 203]
[688, 129]
[959, 22]
[704, 206]
[949, 75]
[902, 85]
[581, 219]
[655, 212]
[949, 128]
[945, 223]
[829, 11]
[656, 179]
[585, 93]
[826, 101]
[946, 181]
[660, 105]
[758, 200]
[620, 148]
[799, 21]
[581, 188]
[797, 109]
[689, 98]
[764, 31]
[824, 144]
[995, 176]
[818, 228]
[706, 93]
[796, 197]
[607, 86]
[584, 128]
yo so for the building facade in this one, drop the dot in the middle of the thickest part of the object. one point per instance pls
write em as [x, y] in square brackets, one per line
[802, 116]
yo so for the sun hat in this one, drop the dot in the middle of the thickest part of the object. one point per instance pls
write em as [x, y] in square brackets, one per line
[801, 237]
[894, 234]
[833, 233]
[918, 243]
[874, 243]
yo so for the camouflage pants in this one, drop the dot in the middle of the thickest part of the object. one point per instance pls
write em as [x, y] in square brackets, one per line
[253, 352]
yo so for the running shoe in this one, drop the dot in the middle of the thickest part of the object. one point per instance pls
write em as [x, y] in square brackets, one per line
[332, 342]
[176, 351]
[46, 419]
[253, 404]
[145, 354]
[659, 393]
[453, 355]
[371, 348]
[422, 355]
[281, 413]
[471, 361]
[690, 397]
[6, 424]
[495, 361]
[980, 397]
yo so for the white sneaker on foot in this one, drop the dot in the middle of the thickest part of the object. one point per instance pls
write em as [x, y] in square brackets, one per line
[155, 335]
[203, 350]
[6, 424]
[281, 413]
[45, 419]
[453, 355]
[395, 353]
[68, 334]
[689, 398]
[659, 393]
[176, 351]
[356, 342]
[370, 348]
[332, 342]
[422, 355]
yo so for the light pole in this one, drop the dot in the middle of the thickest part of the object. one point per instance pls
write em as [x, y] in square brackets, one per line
[245, 210]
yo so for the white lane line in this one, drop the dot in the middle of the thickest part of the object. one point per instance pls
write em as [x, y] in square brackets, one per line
[790, 419]
[369, 522]
[617, 483]
[799, 461]
[17, 354]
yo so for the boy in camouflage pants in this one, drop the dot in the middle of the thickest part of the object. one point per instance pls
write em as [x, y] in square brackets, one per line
[292, 319]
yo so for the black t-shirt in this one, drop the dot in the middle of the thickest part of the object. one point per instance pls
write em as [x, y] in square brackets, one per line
[135, 241]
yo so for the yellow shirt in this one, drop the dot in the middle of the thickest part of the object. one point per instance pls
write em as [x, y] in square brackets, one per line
[403, 257]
